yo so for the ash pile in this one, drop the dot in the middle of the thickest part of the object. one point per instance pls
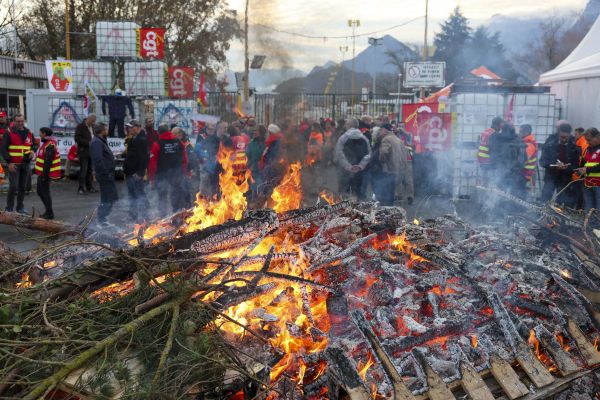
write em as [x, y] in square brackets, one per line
[335, 301]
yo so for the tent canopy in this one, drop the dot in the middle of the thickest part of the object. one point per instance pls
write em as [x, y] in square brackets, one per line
[583, 62]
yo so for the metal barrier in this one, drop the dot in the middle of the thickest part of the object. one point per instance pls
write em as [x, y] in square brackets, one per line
[277, 107]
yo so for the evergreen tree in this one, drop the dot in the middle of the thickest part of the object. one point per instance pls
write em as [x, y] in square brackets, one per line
[450, 43]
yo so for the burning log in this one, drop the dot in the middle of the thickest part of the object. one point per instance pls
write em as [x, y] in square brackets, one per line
[343, 371]
[37, 224]
[306, 215]
[125, 262]
[563, 361]
[401, 392]
[587, 349]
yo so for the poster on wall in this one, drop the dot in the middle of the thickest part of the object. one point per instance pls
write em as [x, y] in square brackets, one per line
[434, 131]
[175, 112]
[181, 82]
[151, 43]
[60, 76]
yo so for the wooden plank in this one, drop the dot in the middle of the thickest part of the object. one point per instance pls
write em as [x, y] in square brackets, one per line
[507, 378]
[535, 370]
[587, 262]
[593, 297]
[473, 384]
[559, 385]
[343, 373]
[437, 388]
[588, 351]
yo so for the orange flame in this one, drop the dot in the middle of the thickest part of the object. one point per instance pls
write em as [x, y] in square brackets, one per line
[288, 194]
[25, 282]
[543, 357]
[328, 197]
[474, 341]
[232, 203]
[400, 243]
[301, 371]
[364, 367]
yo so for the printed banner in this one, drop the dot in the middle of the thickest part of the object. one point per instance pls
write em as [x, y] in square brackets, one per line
[434, 131]
[64, 143]
[181, 82]
[151, 43]
[60, 76]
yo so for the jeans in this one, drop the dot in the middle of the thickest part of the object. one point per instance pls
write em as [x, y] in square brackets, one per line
[43, 190]
[85, 173]
[384, 187]
[553, 184]
[165, 186]
[120, 124]
[138, 202]
[16, 187]
[591, 198]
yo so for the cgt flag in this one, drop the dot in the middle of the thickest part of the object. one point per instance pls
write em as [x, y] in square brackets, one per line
[181, 82]
[434, 132]
[150, 43]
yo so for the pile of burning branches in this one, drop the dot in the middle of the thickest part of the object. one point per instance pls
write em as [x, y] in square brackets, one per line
[338, 300]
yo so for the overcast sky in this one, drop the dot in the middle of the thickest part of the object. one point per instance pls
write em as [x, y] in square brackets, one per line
[329, 18]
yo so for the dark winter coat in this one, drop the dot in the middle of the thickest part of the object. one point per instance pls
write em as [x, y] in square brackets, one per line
[136, 159]
[117, 106]
[551, 152]
[103, 159]
[83, 138]
[254, 152]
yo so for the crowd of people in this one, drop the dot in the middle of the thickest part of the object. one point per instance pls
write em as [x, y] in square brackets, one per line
[570, 159]
[353, 158]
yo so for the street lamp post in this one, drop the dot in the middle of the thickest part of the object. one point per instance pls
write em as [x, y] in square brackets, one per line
[399, 92]
[375, 42]
[353, 23]
[343, 50]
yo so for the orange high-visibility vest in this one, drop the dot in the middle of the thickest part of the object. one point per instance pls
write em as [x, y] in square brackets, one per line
[315, 143]
[531, 150]
[592, 158]
[41, 156]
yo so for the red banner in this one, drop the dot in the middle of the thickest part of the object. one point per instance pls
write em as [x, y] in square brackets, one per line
[434, 132]
[151, 43]
[181, 82]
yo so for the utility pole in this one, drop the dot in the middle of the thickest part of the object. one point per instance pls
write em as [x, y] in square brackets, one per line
[343, 49]
[353, 23]
[246, 58]
[375, 42]
[425, 48]
[68, 29]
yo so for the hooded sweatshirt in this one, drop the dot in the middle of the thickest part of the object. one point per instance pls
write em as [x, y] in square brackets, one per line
[352, 149]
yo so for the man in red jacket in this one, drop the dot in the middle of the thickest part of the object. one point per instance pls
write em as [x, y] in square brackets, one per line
[168, 164]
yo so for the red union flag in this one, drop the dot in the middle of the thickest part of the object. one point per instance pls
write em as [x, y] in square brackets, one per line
[151, 43]
[434, 132]
[181, 82]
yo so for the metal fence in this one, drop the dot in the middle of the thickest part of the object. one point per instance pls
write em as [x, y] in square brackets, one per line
[277, 107]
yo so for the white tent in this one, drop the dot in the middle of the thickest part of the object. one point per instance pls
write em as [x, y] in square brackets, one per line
[576, 81]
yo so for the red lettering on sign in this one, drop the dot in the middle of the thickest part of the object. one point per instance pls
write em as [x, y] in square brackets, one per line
[181, 82]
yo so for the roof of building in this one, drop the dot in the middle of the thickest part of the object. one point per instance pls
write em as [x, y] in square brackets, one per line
[27, 69]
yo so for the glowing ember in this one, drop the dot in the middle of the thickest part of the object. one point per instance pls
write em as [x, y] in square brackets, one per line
[49, 264]
[416, 221]
[563, 342]
[288, 195]
[231, 204]
[117, 289]
[364, 367]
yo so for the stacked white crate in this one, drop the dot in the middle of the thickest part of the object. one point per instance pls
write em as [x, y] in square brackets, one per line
[97, 73]
[177, 112]
[116, 39]
[146, 78]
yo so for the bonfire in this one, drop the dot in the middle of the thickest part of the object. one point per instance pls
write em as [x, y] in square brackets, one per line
[336, 300]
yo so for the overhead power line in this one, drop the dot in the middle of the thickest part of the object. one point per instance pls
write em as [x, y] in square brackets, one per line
[303, 35]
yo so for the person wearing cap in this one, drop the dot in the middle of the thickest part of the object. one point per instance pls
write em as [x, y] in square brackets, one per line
[388, 160]
[17, 153]
[47, 168]
[134, 167]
